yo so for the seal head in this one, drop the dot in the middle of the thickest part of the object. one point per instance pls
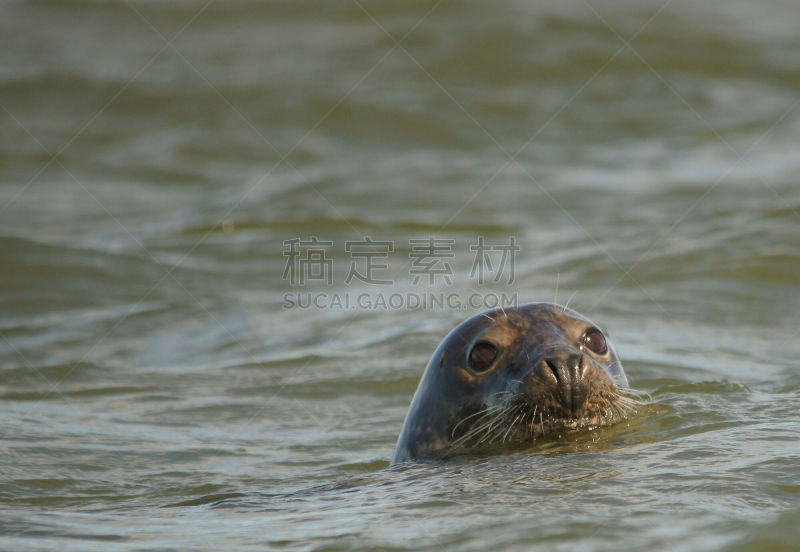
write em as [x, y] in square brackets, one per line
[508, 376]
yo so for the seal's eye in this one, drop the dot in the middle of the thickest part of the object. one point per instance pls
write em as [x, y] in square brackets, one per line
[595, 341]
[482, 356]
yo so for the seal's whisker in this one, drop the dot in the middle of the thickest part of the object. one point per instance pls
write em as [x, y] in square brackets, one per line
[566, 305]
[477, 433]
[616, 410]
[478, 413]
[491, 434]
[488, 411]
[555, 295]
[628, 400]
[485, 429]
[532, 423]
[625, 409]
[482, 425]
[635, 394]
[501, 417]
[511, 426]
[503, 310]
[626, 405]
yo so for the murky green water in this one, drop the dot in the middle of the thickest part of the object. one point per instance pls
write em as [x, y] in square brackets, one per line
[154, 157]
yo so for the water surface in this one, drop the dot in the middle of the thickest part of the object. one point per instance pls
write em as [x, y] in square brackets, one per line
[154, 157]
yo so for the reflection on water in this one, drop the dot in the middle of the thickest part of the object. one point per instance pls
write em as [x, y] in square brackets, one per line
[155, 158]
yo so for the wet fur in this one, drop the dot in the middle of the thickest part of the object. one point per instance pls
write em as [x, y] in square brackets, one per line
[515, 403]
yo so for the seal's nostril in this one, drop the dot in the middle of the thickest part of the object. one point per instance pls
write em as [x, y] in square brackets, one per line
[569, 373]
[552, 365]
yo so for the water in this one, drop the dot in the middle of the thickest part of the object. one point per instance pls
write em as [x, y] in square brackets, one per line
[155, 393]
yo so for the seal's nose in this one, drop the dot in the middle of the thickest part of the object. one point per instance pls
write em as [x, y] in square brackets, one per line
[568, 370]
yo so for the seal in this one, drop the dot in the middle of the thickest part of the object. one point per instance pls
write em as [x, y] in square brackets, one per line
[506, 377]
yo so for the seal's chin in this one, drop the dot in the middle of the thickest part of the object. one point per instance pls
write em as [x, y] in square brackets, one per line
[543, 409]
[558, 421]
